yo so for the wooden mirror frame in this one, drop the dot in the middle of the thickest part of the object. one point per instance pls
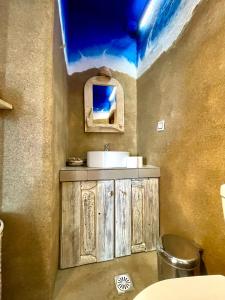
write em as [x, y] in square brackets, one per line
[90, 126]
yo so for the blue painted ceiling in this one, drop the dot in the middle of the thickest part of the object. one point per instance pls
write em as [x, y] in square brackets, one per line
[92, 28]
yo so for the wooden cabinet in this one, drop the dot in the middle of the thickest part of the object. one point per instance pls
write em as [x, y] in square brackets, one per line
[87, 227]
[106, 219]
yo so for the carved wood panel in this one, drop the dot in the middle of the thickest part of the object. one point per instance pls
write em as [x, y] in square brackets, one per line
[145, 214]
[151, 216]
[138, 193]
[88, 221]
[122, 217]
[105, 220]
[87, 230]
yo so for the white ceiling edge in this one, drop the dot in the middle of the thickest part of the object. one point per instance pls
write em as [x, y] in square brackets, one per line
[168, 36]
[115, 63]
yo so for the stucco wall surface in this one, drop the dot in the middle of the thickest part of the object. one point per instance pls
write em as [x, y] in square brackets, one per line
[59, 132]
[29, 155]
[186, 88]
[80, 142]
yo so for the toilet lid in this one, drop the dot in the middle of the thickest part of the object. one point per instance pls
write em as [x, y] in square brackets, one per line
[209, 287]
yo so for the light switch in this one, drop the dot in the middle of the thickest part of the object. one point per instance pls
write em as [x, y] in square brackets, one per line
[161, 125]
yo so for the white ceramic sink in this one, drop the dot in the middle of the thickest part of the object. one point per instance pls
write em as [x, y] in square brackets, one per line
[107, 159]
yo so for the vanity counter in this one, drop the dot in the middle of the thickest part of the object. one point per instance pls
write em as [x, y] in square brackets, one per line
[85, 173]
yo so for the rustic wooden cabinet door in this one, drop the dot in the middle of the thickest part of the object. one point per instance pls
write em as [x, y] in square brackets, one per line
[145, 214]
[105, 220]
[87, 231]
[137, 213]
[122, 217]
[70, 225]
[88, 207]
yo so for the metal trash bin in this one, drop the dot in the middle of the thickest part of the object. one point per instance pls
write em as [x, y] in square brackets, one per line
[177, 257]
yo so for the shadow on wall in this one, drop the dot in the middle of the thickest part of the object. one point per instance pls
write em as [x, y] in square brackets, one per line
[3, 60]
[26, 236]
[203, 269]
[5, 117]
[4, 6]
[1, 154]
[186, 88]
[19, 230]
[191, 174]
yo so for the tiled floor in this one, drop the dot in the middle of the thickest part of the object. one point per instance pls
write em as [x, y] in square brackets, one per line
[96, 281]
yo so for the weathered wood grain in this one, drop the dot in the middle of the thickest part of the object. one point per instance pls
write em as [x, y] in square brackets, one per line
[70, 225]
[105, 220]
[151, 215]
[122, 217]
[87, 259]
[145, 214]
[137, 211]
[88, 220]
[87, 225]
[138, 248]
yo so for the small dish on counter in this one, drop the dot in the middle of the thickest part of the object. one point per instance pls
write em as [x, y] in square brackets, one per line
[74, 161]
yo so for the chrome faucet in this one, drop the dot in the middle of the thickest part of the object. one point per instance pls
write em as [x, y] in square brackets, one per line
[106, 147]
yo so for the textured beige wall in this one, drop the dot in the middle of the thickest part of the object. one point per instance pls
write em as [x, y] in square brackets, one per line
[29, 154]
[81, 142]
[186, 87]
[60, 132]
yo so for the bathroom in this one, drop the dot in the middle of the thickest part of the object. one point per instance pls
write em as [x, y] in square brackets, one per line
[181, 81]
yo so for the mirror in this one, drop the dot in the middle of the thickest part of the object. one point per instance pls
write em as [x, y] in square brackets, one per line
[104, 105]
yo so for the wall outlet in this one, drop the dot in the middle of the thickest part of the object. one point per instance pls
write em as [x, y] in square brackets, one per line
[161, 125]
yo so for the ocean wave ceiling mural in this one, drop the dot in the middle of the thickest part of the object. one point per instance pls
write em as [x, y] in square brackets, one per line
[126, 36]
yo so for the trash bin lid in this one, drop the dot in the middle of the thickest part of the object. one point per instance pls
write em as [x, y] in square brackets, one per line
[178, 251]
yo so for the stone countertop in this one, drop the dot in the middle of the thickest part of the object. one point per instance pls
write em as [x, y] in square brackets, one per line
[84, 173]
[82, 168]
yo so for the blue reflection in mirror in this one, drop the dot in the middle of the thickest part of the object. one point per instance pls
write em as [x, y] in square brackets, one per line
[104, 104]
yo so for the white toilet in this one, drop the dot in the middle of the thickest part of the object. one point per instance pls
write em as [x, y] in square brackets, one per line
[209, 287]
